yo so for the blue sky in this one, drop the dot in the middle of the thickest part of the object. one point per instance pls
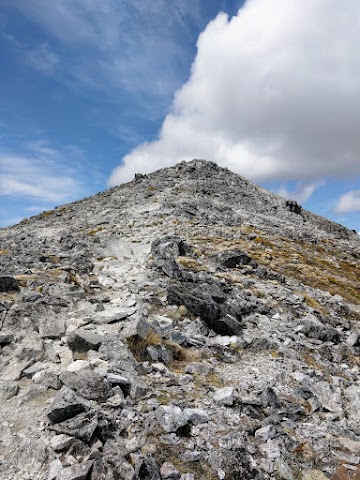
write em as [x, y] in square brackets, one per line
[91, 92]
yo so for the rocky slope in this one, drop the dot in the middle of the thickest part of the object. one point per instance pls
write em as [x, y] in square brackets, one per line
[186, 325]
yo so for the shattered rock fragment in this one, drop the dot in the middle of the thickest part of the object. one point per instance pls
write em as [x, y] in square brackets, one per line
[79, 471]
[84, 340]
[66, 405]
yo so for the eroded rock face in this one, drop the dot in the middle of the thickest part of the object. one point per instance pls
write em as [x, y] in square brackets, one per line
[186, 325]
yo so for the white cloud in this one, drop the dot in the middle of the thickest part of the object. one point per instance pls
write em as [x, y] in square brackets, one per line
[349, 202]
[128, 45]
[40, 173]
[302, 192]
[273, 94]
[43, 59]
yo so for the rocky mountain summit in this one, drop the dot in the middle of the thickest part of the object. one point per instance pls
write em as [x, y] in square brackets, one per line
[187, 325]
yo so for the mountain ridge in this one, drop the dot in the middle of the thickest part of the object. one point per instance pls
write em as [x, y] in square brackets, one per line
[187, 325]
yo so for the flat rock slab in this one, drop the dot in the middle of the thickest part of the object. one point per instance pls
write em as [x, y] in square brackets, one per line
[88, 384]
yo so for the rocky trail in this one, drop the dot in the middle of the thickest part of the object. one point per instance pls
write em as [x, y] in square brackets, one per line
[187, 325]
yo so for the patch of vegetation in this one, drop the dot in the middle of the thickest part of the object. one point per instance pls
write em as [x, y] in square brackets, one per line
[139, 348]
[48, 213]
[313, 303]
[172, 454]
[111, 257]
[323, 265]
[191, 264]
[92, 232]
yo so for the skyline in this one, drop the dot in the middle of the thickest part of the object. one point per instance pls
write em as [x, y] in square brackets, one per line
[91, 94]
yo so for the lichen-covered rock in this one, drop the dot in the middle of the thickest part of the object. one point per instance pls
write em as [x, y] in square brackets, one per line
[88, 384]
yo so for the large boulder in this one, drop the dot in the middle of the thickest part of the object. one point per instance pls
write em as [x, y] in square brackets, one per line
[88, 384]
[203, 301]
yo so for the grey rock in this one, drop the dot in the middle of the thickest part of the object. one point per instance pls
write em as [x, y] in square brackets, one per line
[52, 327]
[160, 353]
[329, 397]
[84, 340]
[35, 368]
[197, 302]
[13, 370]
[314, 328]
[123, 382]
[48, 379]
[8, 389]
[234, 259]
[81, 426]
[88, 384]
[80, 471]
[9, 284]
[138, 388]
[6, 338]
[66, 405]
[178, 337]
[352, 395]
[146, 468]
[164, 251]
[266, 433]
[192, 456]
[61, 442]
[168, 471]
[118, 317]
[225, 396]
[55, 468]
[353, 339]
[199, 368]
[294, 356]
[196, 416]
[171, 418]
[283, 470]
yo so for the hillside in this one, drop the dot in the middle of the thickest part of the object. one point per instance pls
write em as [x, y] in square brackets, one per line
[186, 325]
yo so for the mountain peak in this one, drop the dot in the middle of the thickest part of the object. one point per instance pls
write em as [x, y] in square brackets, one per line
[188, 324]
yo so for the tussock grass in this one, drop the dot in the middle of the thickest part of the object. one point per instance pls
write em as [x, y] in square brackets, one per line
[180, 355]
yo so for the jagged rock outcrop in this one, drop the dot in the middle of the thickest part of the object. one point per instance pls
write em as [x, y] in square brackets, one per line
[187, 325]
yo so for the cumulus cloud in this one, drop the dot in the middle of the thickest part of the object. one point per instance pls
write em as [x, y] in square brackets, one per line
[271, 95]
[349, 202]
